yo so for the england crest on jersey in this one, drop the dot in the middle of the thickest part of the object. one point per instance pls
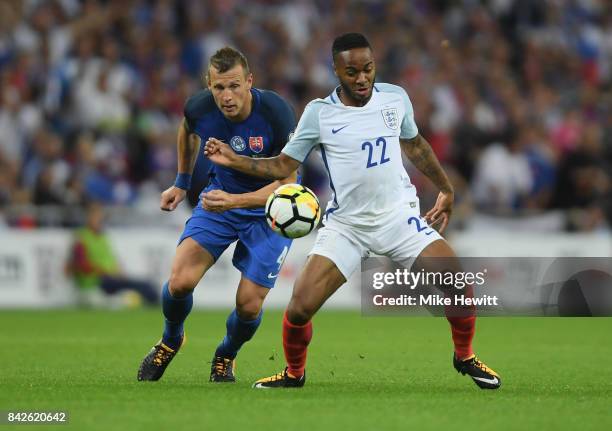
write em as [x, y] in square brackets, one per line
[391, 118]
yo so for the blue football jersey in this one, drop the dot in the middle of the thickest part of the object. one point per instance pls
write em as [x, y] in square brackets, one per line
[263, 133]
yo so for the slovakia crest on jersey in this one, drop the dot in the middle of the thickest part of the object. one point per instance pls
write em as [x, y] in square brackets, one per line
[391, 118]
[256, 143]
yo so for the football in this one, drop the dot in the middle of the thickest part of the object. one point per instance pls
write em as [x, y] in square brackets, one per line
[293, 210]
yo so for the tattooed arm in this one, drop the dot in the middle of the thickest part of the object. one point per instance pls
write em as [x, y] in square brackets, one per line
[421, 155]
[273, 168]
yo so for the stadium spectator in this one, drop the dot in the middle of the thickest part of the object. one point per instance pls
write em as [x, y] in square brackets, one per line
[93, 264]
[584, 185]
[503, 178]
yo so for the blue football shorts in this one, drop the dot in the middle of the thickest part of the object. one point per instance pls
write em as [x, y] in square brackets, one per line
[259, 253]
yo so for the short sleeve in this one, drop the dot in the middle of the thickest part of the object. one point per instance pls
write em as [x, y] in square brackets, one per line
[409, 128]
[306, 135]
[281, 116]
[197, 106]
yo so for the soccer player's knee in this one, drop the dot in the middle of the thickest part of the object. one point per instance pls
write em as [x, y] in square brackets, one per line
[248, 308]
[180, 286]
[299, 312]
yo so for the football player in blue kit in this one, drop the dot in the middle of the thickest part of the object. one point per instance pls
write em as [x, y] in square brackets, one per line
[256, 123]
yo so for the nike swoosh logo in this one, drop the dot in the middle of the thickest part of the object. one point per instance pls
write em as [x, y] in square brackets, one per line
[492, 381]
[429, 233]
[272, 276]
[334, 131]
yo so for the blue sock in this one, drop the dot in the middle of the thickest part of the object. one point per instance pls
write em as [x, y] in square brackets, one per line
[175, 311]
[238, 332]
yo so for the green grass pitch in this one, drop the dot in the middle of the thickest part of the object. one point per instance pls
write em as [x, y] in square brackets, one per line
[363, 374]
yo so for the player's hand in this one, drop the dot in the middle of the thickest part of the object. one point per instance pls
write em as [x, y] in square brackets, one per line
[219, 152]
[218, 201]
[441, 211]
[171, 197]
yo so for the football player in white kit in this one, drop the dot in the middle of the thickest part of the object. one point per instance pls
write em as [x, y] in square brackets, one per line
[361, 128]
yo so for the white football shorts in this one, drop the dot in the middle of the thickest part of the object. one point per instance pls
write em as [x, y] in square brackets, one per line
[403, 238]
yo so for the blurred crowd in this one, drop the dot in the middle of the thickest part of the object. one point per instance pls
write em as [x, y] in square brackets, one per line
[514, 95]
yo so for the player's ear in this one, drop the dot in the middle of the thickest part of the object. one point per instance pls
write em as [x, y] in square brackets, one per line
[249, 80]
[206, 80]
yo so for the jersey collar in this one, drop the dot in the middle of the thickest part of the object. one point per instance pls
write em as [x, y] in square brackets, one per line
[335, 99]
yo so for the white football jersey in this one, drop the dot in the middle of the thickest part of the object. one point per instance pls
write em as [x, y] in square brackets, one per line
[361, 151]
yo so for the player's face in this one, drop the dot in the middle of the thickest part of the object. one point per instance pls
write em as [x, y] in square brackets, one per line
[231, 91]
[356, 71]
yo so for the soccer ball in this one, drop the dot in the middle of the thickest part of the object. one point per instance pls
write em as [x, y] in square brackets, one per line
[293, 210]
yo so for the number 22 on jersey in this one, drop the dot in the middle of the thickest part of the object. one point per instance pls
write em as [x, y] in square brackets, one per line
[376, 153]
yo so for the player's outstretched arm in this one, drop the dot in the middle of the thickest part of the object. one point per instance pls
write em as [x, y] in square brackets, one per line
[421, 155]
[272, 168]
[219, 201]
[188, 145]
